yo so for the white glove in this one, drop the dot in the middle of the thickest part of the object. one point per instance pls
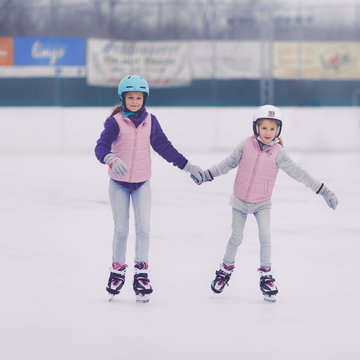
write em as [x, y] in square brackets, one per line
[195, 171]
[329, 196]
[117, 166]
[206, 175]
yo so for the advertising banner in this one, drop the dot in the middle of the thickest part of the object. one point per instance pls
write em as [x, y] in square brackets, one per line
[317, 60]
[47, 56]
[6, 51]
[50, 51]
[162, 63]
[225, 59]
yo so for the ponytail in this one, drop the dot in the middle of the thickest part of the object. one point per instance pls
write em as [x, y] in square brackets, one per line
[116, 110]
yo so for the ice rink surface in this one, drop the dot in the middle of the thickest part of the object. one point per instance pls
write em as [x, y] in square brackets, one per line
[55, 252]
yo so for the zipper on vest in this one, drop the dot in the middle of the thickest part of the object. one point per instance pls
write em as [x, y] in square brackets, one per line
[253, 176]
[253, 173]
[133, 153]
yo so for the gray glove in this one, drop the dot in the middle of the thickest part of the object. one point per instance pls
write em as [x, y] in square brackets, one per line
[117, 166]
[195, 171]
[207, 176]
[329, 196]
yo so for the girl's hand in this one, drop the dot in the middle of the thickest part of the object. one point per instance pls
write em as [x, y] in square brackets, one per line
[329, 196]
[117, 166]
[196, 172]
[206, 175]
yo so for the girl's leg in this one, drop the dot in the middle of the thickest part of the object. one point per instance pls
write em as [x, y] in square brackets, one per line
[238, 223]
[119, 200]
[262, 216]
[141, 199]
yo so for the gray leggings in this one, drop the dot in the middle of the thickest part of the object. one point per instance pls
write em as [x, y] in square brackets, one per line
[261, 212]
[120, 205]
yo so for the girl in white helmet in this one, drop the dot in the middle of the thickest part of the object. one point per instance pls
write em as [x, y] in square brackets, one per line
[258, 159]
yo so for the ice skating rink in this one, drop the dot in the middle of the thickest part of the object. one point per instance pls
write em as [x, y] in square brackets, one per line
[55, 251]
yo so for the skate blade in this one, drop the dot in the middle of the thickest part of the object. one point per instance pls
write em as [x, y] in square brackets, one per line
[142, 298]
[270, 298]
[111, 297]
[214, 295]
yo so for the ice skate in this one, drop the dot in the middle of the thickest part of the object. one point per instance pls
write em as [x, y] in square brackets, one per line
[222, 278]
[141, 284]
[116, 279]
[267, 286]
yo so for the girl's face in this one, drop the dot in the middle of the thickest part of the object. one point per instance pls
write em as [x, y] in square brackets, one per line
[267, 130]
[134, 100]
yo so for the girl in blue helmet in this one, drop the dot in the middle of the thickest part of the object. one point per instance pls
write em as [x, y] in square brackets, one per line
[124, 145]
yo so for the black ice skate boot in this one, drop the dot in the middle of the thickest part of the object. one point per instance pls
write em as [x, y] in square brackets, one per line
[141, 283]
[267, 285]
[222, 278]
[116, 279]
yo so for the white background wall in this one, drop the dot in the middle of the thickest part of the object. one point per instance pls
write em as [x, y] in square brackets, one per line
[70, 130]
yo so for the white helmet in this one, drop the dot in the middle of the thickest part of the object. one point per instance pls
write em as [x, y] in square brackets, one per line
[267, 112]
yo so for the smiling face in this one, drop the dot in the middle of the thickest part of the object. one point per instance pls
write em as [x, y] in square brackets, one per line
[267, 130]
[134, 100]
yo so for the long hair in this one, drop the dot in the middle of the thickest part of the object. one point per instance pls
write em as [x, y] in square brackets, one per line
[116, 110]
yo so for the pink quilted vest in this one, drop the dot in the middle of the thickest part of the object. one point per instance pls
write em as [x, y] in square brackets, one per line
[257, 171]
[132, 146]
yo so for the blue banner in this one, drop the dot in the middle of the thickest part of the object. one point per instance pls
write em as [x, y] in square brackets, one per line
[49, 51]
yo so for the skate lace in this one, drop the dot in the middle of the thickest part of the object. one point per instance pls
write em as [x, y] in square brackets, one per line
[143, 279]
[222, 277]
[267, 279]
[116, 279]
[116, 283]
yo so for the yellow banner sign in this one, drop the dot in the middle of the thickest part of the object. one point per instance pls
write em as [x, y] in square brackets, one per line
[316, 60]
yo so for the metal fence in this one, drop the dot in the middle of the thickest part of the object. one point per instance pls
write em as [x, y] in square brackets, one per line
[264, 21]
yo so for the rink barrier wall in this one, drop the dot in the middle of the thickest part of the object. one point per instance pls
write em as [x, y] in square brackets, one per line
[75, 130]
[215, 92]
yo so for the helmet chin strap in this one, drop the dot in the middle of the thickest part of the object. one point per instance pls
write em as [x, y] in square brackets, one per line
[129, 113]
[126, 114]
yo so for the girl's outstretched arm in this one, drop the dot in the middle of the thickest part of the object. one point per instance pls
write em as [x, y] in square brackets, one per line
[224, 166]
[299, 174]
[229, 163]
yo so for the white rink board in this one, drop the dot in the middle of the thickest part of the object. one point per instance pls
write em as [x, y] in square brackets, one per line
[69, 130]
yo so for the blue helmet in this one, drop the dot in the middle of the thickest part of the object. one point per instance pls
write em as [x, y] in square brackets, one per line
[133, 83]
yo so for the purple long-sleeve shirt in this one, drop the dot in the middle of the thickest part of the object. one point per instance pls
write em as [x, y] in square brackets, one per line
[158, 141]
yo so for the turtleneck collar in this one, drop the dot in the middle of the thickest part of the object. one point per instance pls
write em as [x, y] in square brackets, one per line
[263, 145]
[138, 117]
